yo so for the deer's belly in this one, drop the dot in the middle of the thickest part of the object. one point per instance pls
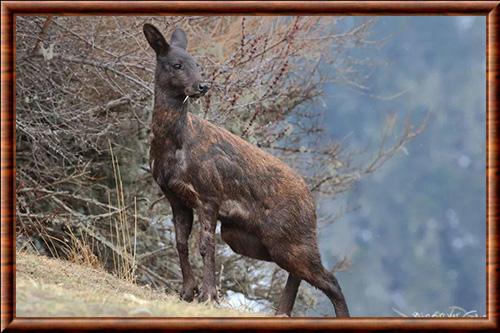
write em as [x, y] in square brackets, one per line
[243, 242]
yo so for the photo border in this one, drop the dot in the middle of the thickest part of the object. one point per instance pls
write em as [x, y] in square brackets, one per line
[9, 9]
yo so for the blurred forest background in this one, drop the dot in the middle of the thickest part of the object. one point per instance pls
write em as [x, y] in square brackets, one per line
[385, 119]
[418, 226]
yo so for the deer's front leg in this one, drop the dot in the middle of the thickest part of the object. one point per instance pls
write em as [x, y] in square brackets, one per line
[183, 222]
[208, 222]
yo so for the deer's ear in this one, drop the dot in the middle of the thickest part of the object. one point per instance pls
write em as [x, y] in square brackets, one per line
[155, 39]
[179, 39]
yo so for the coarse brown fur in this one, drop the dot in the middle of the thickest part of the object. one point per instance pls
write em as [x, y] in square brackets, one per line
[265, 209]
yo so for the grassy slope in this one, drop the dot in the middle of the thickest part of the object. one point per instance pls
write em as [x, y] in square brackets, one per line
[50, 287]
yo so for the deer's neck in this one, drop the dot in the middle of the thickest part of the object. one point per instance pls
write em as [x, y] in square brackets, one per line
[169, 118]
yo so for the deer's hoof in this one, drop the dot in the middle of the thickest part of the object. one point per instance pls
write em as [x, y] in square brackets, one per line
[187, 293]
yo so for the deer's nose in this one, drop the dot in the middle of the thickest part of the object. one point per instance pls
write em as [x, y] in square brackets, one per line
[203, 87]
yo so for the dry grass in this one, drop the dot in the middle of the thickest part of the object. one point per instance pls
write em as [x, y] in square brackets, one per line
[124, 265]
[50, 287]
[80, 252]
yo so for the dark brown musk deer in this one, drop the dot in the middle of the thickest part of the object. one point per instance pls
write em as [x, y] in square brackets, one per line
[265, 209]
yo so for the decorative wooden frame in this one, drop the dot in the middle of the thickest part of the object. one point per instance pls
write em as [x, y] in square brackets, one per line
[10, 9]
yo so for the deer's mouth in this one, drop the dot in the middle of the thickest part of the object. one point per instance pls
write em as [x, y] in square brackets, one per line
[194, 96]
[197, 90]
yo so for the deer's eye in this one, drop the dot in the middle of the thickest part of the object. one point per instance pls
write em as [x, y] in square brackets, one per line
[177, 66]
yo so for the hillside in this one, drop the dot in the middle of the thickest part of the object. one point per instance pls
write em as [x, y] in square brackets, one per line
[50, 287]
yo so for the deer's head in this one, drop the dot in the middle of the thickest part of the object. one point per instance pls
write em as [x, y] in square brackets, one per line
[177, 73]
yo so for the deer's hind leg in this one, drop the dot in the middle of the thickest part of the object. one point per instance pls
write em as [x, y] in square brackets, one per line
[302, 259]
[288, 296]
[183, 223]
[247, 244]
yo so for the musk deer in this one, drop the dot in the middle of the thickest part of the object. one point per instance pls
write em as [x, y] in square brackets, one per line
[265, 209]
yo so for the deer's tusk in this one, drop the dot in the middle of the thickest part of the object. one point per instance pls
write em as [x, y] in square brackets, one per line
[185, 99]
